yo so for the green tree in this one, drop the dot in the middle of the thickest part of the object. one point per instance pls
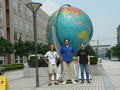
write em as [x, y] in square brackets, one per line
[108, 53]
[90, 50]
[116, 50]
[29, 46]
[20, 48]
[5, 48]
[44, 48]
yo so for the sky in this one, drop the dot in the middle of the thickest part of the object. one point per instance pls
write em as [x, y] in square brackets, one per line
[104, 14]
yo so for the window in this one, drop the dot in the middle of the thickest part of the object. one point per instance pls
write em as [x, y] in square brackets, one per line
[40, 20]
[30, 27]
[27, 26]
[21, 59]
[26, 11]
[16, 59]
[19, 6]
[38, 31]
[15, 36]
[44, 32]
[31, 38]
[1, 31]
[45, 22]
[41, 32]
[27, 38]
[38, 40]
[20, 23]
[20, 36]
[15, 20]
[30, 13]
[37, 17]
[0, 14]
[15, 5]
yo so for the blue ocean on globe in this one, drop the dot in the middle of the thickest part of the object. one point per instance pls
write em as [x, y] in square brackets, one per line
[72, 23]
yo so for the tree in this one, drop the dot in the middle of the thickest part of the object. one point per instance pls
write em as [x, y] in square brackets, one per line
[90, 50]
[108, 53]
[5, 48]
[44, 48]
[116, 50]
[29, 46]
[20, 48]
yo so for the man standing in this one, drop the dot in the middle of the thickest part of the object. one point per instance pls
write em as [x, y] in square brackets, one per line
[52, 67]
[83, 62]
[67, 51]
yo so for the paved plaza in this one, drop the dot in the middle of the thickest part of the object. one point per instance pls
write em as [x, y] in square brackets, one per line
[109, 80]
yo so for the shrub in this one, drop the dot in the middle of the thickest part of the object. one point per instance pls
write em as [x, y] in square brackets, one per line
[13, 67]
[93, 60]
[41, 63]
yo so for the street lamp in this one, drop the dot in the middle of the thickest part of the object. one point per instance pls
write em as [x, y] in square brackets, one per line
[34, 8]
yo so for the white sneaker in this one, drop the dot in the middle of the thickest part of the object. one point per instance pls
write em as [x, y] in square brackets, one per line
[74, 83]
[64, 83]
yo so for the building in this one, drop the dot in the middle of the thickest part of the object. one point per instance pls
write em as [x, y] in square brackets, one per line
[16, 22]
[102, 49]
[118, 35]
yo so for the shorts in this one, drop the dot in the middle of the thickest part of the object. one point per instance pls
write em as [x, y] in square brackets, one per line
[52, 68]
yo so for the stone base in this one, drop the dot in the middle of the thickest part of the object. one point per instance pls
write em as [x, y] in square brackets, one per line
[95, 69]
[31, 72]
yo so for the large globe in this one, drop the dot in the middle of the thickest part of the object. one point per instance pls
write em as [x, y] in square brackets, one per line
[72, 23]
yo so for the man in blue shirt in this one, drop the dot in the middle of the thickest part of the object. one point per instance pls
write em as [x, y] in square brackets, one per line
[67, 51]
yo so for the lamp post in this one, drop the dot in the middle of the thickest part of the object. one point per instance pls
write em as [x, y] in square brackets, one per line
[34, 8]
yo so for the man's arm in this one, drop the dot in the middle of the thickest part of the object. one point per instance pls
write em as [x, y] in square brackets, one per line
[61, 51]
[88, 60]
[78, 58]
[46, 60]
[73, 53]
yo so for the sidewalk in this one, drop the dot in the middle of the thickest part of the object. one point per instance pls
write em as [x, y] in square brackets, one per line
[110, 80]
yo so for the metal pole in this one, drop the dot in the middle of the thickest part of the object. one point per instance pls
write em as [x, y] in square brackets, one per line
[36, 49]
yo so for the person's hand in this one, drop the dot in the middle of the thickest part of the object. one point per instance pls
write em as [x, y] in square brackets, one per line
[88, 63]
[48, 63]
[78, 64]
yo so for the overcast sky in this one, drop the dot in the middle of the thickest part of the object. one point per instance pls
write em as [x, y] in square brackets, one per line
[104, 14]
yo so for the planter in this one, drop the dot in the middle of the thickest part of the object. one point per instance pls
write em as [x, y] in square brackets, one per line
[31, 72]
[96, 69]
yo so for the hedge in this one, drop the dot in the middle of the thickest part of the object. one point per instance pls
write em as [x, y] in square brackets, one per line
[41, 63]
[13, 67]
[93, 60]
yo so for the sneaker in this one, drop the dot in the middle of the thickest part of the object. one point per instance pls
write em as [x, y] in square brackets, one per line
[82, 82]
[49, 84]
[56, 83]
[64, 83]
[89, 82]
[74, 83]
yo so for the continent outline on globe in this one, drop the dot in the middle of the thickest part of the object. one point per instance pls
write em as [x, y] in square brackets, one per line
[72, 23]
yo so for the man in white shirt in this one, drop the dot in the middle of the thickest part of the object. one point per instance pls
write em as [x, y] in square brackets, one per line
[52, 67]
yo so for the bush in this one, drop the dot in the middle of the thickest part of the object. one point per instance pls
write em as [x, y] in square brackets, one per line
[13, 67]
[93, 60]
[41, 63]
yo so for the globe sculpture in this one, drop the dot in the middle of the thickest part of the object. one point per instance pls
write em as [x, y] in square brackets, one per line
[71, 23]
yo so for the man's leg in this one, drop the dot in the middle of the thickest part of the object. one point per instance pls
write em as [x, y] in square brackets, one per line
[50, 68]
[71, 71]
[82, 72]
[65, 67]
[55, 72]
[50, 78]
[87, 72]
[55, 77]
